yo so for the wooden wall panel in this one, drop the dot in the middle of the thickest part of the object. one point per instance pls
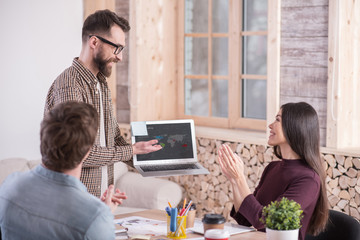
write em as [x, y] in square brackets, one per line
[304, 82]
[310, 21]
[344, 73]
[304, 3]
[304, 53]
[122, 8]
[153, 60]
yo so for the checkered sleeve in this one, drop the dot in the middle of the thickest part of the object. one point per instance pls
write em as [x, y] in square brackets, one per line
[100, 156]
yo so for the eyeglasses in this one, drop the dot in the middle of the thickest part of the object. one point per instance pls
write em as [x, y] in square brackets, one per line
[118, 48]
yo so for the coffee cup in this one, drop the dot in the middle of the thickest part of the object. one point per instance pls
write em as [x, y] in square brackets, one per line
[213, 221]
[216, 234]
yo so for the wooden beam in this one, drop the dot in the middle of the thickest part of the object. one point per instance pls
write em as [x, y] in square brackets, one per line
[153, 60]
[273, 61]
[235, 52]
[343, 111]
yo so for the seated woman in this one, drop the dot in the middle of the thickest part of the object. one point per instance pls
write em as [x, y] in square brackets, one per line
[299, 175]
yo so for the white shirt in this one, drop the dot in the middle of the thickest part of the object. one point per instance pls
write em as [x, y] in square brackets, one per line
[104, 172]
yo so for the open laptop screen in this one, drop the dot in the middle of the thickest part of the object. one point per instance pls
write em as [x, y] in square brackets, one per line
[175, 138]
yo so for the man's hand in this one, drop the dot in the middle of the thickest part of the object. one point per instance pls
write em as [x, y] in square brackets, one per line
[113, 199]
[146, 147]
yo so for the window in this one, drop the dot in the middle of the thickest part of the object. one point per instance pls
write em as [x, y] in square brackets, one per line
[223, 62]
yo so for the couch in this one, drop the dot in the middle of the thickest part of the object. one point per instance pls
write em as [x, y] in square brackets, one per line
[143, 193]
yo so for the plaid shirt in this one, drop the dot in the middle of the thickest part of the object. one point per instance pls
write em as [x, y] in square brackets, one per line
[77, 83]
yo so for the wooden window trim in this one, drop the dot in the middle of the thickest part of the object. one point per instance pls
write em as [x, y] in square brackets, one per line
[273, 61]
[273, 68]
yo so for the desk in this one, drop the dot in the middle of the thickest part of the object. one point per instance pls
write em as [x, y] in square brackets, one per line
[160, 215]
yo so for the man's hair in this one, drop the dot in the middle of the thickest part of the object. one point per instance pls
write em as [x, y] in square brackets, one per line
[101, 22]
[67, 133]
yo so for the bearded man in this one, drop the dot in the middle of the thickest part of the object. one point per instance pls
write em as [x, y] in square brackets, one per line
[103, 39]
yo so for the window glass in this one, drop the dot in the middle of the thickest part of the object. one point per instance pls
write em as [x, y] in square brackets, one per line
[196, 56]
[255, 15]
[196, 16]
[196, 97]
[220, 57]
[254, 98]
[219, 98]
[220, 14]
[254, 55]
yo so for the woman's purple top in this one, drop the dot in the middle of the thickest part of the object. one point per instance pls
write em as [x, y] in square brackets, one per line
[293, 179]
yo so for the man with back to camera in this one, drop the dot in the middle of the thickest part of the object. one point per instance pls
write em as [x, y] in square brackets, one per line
[50, 202]
[103, 39]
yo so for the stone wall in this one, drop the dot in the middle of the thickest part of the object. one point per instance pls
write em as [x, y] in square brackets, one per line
[213, 193]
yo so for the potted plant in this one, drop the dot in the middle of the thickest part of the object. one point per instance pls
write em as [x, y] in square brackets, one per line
[282, 219]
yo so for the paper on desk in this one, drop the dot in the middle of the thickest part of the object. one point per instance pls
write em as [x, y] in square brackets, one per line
[120, 232]
[144, 226]
[230, 227]
[121, 236]
[120, 229]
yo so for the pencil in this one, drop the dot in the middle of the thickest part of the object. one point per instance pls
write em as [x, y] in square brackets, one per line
[184, 203]
[187, 208]
[169, 205]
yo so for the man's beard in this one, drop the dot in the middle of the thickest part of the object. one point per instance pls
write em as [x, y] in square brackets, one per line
[101, 64]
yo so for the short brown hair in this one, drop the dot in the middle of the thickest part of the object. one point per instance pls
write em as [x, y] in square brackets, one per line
[101, 21]
[67, 133]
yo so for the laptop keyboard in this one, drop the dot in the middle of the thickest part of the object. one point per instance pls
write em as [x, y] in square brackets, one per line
[168, 167]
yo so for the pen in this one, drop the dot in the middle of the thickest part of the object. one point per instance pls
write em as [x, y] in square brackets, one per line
[187, 208]
[179, 227]
[181, 213]
[173, 219]
[169, 205]
[167, 209]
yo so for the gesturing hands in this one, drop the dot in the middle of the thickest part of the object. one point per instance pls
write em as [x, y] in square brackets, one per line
[113, 199]
[146, 147]
[231, 164]
[233, 168]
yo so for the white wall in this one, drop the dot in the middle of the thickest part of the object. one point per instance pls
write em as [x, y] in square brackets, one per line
[38, 40]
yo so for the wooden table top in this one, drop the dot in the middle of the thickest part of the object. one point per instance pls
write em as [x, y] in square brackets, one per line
[160, 215]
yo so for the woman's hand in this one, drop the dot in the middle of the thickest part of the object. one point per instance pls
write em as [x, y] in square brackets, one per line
[231, 164]
[233, 168]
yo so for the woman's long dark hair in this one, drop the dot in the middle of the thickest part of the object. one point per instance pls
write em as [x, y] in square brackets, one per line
[300, 125]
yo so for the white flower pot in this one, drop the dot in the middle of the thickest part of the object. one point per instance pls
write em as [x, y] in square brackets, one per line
[282, 234]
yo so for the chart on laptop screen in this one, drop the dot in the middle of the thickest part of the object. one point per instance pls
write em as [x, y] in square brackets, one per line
[175, 140]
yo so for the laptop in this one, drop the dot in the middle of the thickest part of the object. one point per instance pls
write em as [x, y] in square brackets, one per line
[178, 155]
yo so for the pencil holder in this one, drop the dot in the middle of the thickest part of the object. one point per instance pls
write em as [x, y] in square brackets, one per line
[180, 231]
